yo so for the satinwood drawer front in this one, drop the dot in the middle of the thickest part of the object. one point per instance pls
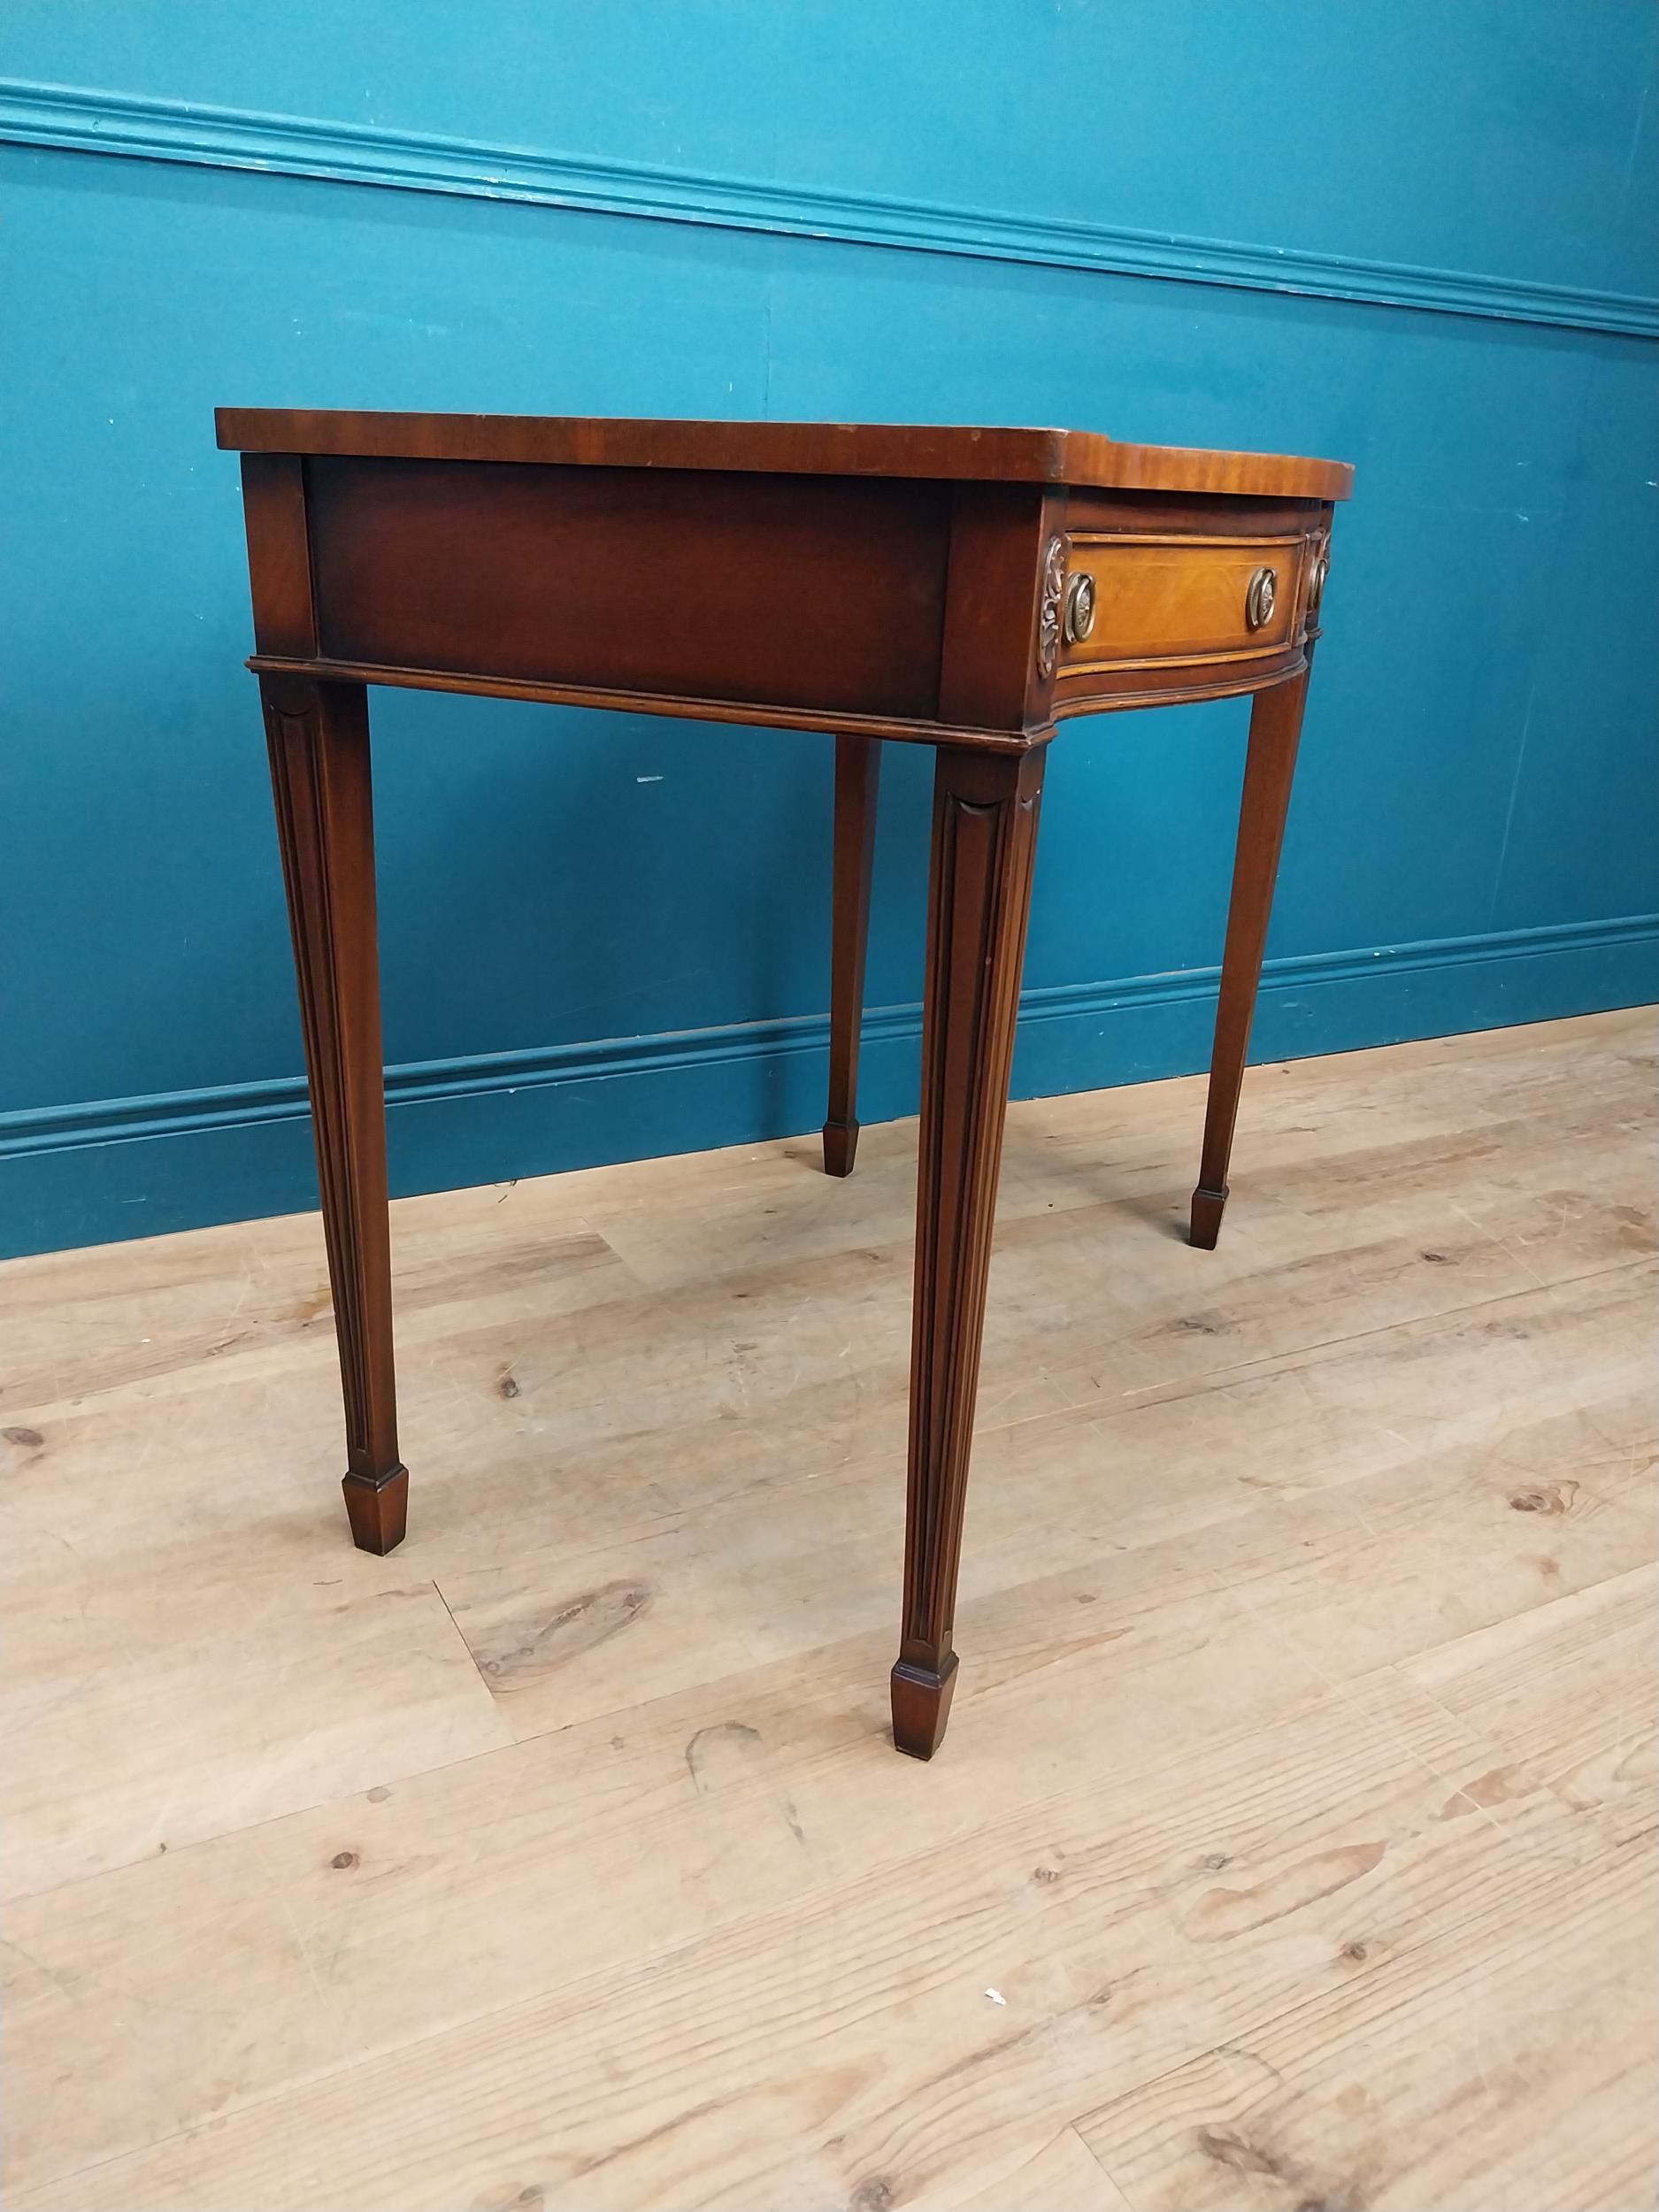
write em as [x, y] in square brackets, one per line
[1164, 602]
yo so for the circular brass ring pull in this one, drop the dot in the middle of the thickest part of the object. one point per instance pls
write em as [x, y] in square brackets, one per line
[1258, 600]
[1320, 570]
[1080, 608]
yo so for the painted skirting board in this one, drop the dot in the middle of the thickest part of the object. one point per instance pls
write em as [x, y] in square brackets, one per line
[136, 1167]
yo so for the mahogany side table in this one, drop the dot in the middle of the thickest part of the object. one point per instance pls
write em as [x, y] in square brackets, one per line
[963, 588]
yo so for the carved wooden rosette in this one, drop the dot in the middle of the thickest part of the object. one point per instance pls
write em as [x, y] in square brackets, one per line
[1049, 610]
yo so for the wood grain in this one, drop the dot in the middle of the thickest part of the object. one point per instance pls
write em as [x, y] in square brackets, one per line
[1062, 2176]
[1572, 1689]
[824, 593]
[919, 450]
[1300, 1828]
[1453, 2076]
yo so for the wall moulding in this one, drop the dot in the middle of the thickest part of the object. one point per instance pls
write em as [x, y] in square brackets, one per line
[81, 119]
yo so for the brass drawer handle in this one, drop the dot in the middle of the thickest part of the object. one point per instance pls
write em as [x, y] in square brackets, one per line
[1080, 608]
[1258, 600]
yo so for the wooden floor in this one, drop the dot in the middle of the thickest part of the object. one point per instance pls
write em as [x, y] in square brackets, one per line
[1291, 1847]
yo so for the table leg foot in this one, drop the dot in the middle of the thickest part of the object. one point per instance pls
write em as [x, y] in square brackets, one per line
[378, 1511]
[840, 1147]
[1208, 1206]
[921, 1706]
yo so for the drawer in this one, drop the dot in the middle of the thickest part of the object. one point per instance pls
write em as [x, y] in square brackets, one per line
[1166, 602]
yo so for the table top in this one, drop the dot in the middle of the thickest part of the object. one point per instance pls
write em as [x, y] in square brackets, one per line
[1084, 458]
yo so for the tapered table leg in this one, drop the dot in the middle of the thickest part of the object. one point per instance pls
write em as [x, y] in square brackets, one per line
[984, 831]
[1270, 765]
[318, 738]
[857, 777]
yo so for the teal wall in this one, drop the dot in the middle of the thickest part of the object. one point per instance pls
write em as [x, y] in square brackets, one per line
[1417, 237]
